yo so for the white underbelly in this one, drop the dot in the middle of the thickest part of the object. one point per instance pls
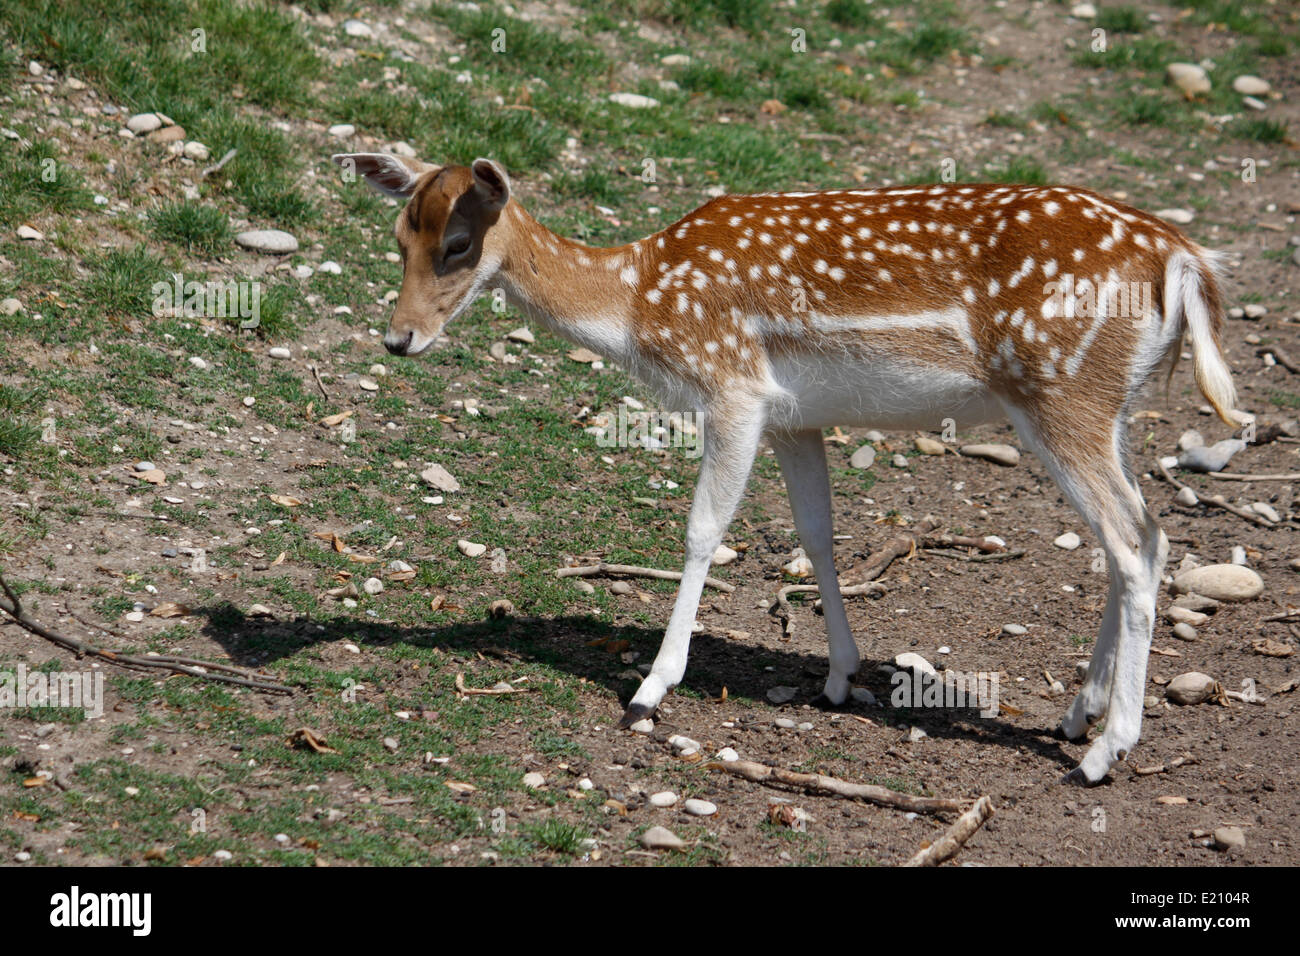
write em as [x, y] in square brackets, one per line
[876, 391]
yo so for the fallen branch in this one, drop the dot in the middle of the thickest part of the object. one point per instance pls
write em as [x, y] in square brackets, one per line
[319, 384]
[962, 541]
[1217, 501]
[1280, 357]
[961, 556]
[1231, 476]
[782, 603]
[962, 830]
[632, 570]
[228, 674]
[1164, 767]
[820, 783]
[486, 691]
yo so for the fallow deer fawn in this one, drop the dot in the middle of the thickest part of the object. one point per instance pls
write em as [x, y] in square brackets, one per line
[776, 315]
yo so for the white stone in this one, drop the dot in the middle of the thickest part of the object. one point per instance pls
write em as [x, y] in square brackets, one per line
[534, 780]
[863, 458]
[1191, 688]
[356, 28]
[1179, 217]
[342, 130]
[1000, 454]
[1189, 78]
[471, 549]
[1068, 541]
[196, 151]
[724, 555]
[272, 241]
[908, 661]
[1222, 582]
[1251, 85]
[144, 123]
[700, 808]
[663, 799]
[634, 100]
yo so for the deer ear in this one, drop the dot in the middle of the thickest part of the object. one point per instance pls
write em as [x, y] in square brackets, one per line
[491, 183]
[388, 174]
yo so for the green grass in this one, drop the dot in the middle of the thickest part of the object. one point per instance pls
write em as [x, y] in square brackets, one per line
[195, 228]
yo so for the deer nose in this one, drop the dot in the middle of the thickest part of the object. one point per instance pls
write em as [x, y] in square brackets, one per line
[398, 344]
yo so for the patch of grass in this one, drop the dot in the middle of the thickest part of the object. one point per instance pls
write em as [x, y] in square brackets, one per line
[851, 13]
[1120, 19]
[34, 180]
[196, 228]
[121, 280]
[556, 835]
[1259, 129]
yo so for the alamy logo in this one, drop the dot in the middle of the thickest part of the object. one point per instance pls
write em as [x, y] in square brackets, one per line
[951, 689]
[74, 909]
[80, 689]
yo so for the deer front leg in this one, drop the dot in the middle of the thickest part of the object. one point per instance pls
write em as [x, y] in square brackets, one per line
[731, 439]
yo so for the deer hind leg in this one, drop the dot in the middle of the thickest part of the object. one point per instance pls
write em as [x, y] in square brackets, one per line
[1096, 483]
[731, 438]
[803, 462]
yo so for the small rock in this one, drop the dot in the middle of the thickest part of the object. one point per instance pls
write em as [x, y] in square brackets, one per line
[1255, 311]
[144, 123]
[1182, 615]
[271, 241]
[675, 59]
[471, 549]
[800, 567]
[781, 694]
[700, 808]
[1212, 458]
[440, 478]
[342, 130]
[724, 555]
[1184, 631]
[863, 458]
[1249, 85]
[1190, 439]
[1238, 555]
[785, 723]
[727, 754]
[1189, 78]
[280, 352]
[356, 28]
[391, 744]
[522, 334]
[144, 466]
[1190, 688]
[860, 695]
[10, 306]
[223, 855]
[915, 734]
[373, 586]
[1222, 582]
[910, 661]
[168, 134]
[643, 726]
[29, 234]
[1179, 217]
[1014, 630]
[663, 799]
[661, 838]
[196, 151]
[198, 363]
[680, 743]
[1084, 11]
[899, 461]
[1068, 541]
[1229, 838]
[1266, 510]
[929, 446]
[634, 101]
[1186, 496]
[534, 780]
[999, 454]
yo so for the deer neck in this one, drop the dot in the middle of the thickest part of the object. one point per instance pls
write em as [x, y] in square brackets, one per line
[580, 293]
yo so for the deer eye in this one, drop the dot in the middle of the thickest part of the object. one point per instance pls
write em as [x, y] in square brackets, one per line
[457, 247]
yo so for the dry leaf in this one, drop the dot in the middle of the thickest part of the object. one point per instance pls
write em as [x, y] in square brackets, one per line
[279, 559]
[287, 501]
[401, 575]
[307, 739]
[153, 476]
[332, 420]
[461, 787]
[170, 609]
[1008, 709]
[1271, 648]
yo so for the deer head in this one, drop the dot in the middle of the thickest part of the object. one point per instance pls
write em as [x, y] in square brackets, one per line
[449, 252]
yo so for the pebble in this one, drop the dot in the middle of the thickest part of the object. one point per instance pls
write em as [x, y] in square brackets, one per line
[143, 466]
[781, 694]
[534, 780]
[223, 855]
[724, 555]
[440, 478]
[699, 808]
[1266, 510]
[800, 567]
[10, 306]
[1084, 11]
[675, 59]
[198, 362]
[915, 734]
[522, 334]
[31, 235]
[471, 549]
[373, 586]
[272, 241]
[1015, 630]
[1179, 217]
[680, 743]
[663, 799]
[1190, 688]
[1182, 615]
[1068, 541]
[22, 856]
[280, 352]
[390, 744]
[634, 101]
[1250, 85]
[661, 838]
[863, 458]
[910, 661]
[1255, 311]
[1222, 582]
[330, 266]
[342, 130]
[1238, 555]
[196, 151]
[643, 726]
[1186, 496]
[144, 123]
[282, 839]
[1189, 78]
[1229, 838]
[727, 754]
[1184, 631]
[999, 454]
[168, 134]
[785, 723]
[899, 461]
[1211, 458]
[356, 28]
[929, 446]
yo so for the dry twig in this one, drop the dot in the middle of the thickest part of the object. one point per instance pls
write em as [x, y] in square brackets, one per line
[486, 691]
[1280, 357]
[962, 830]
[1217, 501]
[820, 783]
[1236, 476]
[632, 570]
[228, 674]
